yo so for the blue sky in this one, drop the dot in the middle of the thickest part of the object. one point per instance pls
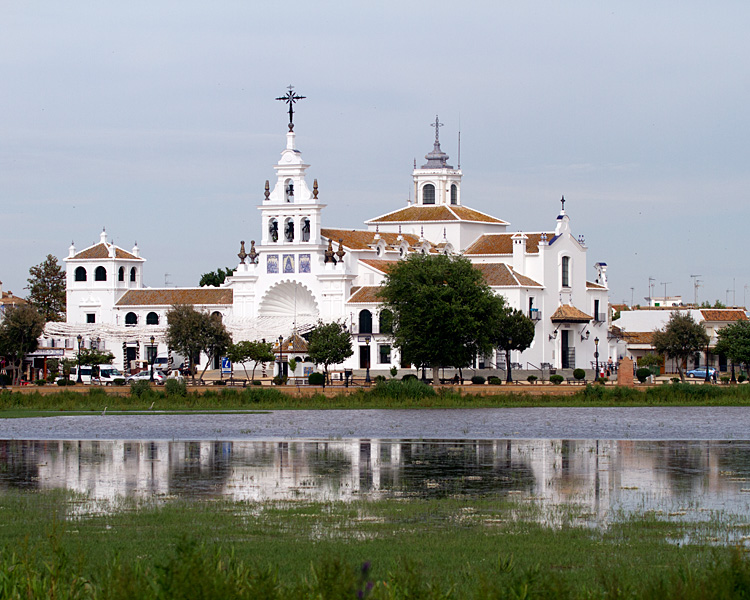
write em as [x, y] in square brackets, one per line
[158, 122]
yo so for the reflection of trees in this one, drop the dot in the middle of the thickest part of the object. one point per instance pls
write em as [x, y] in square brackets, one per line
[203, 468]
[684, 463]
[19, 465]
[440, 468]
[733, 457]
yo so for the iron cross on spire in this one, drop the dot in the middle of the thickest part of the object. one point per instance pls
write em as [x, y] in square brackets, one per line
[290, 98]
[437, 125]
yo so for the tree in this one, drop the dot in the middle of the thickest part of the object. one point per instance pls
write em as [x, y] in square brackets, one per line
[511, 330]
[191, 332]
[680, 338]
[329, 344]
[441, 309]
[19, 335]
[258, 352]
[734, 341]
[94, 358]
[47, 289]
[215, 278]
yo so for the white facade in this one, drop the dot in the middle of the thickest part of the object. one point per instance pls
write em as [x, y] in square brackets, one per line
[302, 271]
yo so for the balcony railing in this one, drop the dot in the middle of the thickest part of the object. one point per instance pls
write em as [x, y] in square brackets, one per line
[600, 317]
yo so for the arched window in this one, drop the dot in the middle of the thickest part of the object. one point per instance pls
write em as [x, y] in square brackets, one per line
[289, 230]
[428, 194]
[100, 274]
[152, 319]
[305, 230]
[132, 274]
[566, 271]
[386, 321]
[365, 321]
[131, 319]
[454, 194]
[289, 190]
[121, 274]
[80, 274]
[273, 230]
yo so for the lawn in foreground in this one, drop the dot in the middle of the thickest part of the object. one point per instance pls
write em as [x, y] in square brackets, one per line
[55, 542]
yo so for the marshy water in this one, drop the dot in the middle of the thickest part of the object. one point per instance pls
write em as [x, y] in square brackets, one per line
[681, 462]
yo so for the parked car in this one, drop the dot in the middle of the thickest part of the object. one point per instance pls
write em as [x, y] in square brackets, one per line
[107, 375]
[159, 377]
[700, 372]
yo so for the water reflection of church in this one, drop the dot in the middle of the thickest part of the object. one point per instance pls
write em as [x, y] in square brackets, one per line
[598, 475]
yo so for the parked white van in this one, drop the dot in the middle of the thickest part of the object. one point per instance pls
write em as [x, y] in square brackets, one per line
[107, 374]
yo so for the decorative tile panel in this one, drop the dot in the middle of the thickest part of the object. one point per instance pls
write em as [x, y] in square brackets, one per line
[288, 263]
[304, 263]
[272, 263]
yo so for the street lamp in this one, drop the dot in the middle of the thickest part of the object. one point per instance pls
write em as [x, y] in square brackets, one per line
[596, 358]
[153, 356]
[367, 364]
[281, 356]
[78, 379]
[708, 375]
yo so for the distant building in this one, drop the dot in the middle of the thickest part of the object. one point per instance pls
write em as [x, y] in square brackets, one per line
[302, 270]
[7, 299]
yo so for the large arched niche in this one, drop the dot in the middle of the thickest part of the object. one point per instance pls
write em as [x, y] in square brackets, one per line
[288, 299]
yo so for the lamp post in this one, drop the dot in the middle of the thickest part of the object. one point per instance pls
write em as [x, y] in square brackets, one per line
[367, 365]
[596, 358]
[281, 356]
[78, 378]
[708, 374]
[152, 357]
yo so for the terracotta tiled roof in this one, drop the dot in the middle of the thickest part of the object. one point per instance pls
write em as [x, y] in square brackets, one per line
[724, 315]
[171, 296]
[502, 243]
[8, 299]
[379, 265]
[638, 337]
[502, 275]
[619, 307]
[102, 251]
[423, 213]
[365, 294]
[294, 343]
[569, 314]
[594, 286]
[356, 239]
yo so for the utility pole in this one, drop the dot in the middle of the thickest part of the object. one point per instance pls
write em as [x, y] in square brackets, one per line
[665, 284]
[167, 283]
[651, 281]
[696, 285]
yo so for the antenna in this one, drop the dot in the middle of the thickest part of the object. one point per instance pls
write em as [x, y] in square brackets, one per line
[651, 281]
[167, 283]
[665, 284]
[459, 141]
[696, 285]
[631, 296]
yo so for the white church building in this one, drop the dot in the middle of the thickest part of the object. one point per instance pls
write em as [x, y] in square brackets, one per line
[304, 269]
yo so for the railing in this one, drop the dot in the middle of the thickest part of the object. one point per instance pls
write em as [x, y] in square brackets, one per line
[600, 317]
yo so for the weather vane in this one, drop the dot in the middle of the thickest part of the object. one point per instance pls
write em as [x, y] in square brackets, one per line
[290, 98]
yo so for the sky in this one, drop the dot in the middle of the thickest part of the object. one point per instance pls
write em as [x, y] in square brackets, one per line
[158, 121]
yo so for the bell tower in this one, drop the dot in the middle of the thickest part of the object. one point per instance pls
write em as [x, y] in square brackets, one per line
[437, 182]
[290, 210]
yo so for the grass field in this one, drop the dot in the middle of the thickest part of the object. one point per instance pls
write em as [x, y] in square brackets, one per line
[56, 545]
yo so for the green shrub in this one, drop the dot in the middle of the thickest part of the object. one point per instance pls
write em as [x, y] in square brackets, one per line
[579, 374]
[220, 382]
[643, 373]
[725, 379]
[64, 382]
[409, 376]
[379, 378]
[532, 378]
[316, 378]
[256, 382]
[407, 388]
[493, 380]
[118, 381]
[603, 380]
[279, 380]
[741, 378]
[139, 388]
[478, 380]
[674, 379]
[40, 381]
[394, 371]
[556, 379]
[174, 387]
